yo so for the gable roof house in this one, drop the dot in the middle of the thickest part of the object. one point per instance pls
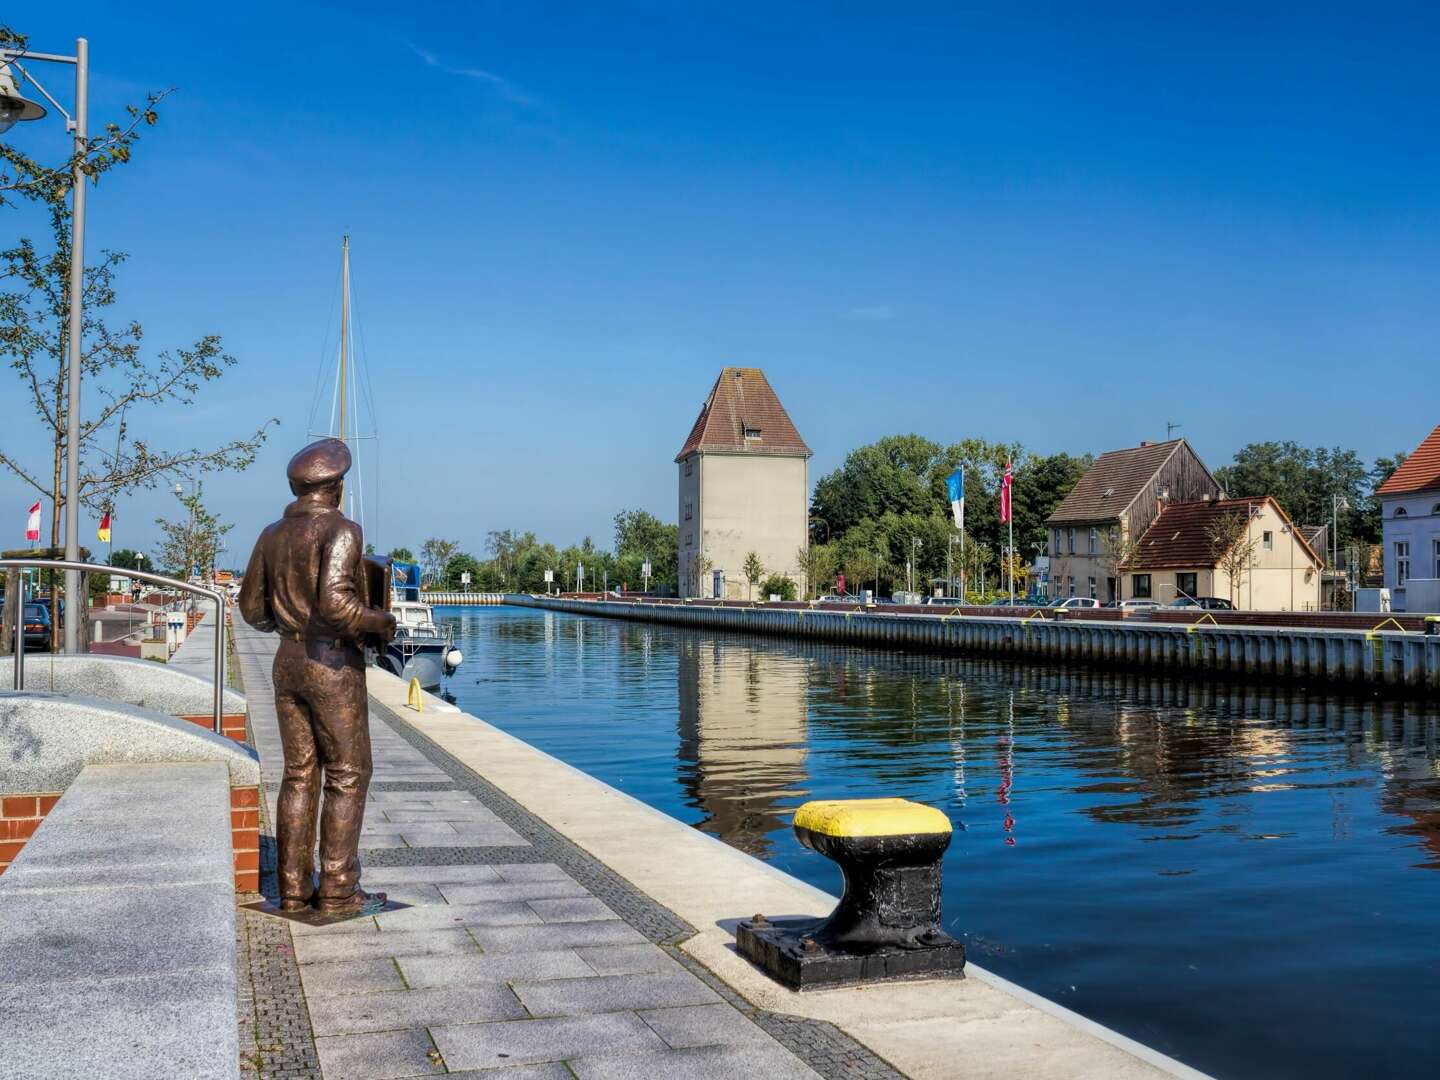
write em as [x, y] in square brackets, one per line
[1268, 566]
[744, 487]
[1118, 498]
[1410, 520]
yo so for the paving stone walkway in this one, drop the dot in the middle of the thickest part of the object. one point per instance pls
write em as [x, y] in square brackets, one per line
[519, 957]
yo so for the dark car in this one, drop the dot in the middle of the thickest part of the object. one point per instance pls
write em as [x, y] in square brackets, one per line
[37, 626]
[1208, 603]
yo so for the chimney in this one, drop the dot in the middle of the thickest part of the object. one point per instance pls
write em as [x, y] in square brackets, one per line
[1144, 443]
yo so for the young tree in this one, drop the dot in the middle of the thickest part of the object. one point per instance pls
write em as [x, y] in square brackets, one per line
[193, 542]
[817, 562]
[700, 567]
[753, 572]
[1115, 555]
[120, 380]
[402, 554]
[778, 585]
[1232, 547]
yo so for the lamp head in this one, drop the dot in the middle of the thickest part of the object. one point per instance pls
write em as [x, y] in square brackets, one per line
[14, 107]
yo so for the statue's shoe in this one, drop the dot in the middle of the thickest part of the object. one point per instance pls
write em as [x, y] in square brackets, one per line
[353, 904]
[296, 904]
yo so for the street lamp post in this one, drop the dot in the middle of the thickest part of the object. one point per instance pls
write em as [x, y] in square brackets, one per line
[910, 577]
[14, 108]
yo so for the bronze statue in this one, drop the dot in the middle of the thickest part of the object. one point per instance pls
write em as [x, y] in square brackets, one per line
[305, 582]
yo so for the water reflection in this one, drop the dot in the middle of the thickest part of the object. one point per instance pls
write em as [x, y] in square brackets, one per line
[1173, 858]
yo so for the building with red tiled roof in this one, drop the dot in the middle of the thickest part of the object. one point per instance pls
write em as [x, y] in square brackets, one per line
[1246, 551]
[1116, 500]
[1410, 517]
[744, 487]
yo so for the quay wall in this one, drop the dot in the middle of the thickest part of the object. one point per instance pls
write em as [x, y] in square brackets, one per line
[461, 599]
[1392, 661]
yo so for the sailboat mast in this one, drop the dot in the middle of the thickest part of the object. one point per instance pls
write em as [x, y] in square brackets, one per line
[344, 329]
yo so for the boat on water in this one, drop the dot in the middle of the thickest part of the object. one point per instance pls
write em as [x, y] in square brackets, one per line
[421, 650]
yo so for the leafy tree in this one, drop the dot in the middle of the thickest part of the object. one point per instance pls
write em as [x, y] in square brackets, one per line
[778, 585]
[125, 559]
[818, 563]
[461, 563]
[120, 380]
[435, 555]
[192, 542]
[1305, 482]
[640, 535]
[402, 554]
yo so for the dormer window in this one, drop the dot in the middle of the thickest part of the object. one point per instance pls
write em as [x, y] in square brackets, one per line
[752, 433]
[1400, 511]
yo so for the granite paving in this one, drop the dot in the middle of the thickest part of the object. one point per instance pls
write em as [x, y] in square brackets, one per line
[519, 957]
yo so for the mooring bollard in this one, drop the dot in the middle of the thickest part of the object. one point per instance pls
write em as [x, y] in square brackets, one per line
[887, 924]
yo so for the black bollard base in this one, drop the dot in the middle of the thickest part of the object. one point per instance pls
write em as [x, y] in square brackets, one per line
[788, 951]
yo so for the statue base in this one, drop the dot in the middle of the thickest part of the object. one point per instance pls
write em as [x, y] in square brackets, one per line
[313, 917]
[787, 951]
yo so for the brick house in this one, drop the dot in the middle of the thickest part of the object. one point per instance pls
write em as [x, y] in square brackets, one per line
[1117, 499]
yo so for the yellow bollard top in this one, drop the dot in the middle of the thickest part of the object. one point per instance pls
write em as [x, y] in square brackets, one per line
[870, 817]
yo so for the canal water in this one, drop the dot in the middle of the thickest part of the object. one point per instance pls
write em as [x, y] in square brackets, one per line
[1246, 879]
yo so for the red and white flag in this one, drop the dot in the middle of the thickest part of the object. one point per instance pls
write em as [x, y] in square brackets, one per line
[1005, 494]
[32, 523]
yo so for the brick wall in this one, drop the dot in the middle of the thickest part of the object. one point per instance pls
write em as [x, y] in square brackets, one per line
[232, 725]
[20, 816]
[245, 837]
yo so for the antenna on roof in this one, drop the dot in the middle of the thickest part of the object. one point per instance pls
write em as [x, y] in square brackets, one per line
[1170, 428]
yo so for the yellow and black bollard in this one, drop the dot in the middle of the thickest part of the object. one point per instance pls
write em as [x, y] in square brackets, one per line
[887, 924]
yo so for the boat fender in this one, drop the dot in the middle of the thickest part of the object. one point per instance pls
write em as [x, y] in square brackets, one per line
[453, 659]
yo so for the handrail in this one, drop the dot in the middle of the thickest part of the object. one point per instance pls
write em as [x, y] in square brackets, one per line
[143, 575]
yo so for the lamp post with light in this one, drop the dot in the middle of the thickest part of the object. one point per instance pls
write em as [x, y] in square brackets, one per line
[13, 109]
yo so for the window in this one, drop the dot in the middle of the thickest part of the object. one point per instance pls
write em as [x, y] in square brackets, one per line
[1267, 540]
[1140, 586]
[1437, 558]
[689, 466]
[1400, 511]
[1092, 580]
[1071, 583]
[1187, 584]
[1094, 543]
[752, 433]
[1402, 562]
[1070, 537]
[1435, 509]
[689, 539]
[1054, 541]
[689, 509]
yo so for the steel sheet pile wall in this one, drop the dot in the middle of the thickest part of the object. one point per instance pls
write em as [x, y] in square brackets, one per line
[1390, 660]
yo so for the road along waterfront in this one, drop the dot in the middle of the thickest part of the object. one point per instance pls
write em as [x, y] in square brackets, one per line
[1238, 876]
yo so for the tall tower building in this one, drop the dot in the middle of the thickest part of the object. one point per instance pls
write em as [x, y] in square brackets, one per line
[744, 486]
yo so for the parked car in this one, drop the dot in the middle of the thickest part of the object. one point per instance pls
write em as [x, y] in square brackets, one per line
[1208, 603]
[37, 626]
[838, 598]
[1138, 605]
[945, 601]
[1070, 603]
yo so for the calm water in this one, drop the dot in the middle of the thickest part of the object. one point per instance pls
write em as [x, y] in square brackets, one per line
[1246, 879]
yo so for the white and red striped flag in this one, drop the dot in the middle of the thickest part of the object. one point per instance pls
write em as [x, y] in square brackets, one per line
[32, 523]
[1005, 508]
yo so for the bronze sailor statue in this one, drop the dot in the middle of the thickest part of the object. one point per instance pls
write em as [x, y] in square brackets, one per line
[305, 582]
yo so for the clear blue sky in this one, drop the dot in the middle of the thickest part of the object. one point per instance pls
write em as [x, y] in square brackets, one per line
[1059, 228]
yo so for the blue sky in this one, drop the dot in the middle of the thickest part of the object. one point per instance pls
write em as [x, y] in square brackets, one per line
[1031, 224]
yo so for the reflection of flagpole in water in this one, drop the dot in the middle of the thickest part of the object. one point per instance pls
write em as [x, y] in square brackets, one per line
[1007, 772]
[957, 748]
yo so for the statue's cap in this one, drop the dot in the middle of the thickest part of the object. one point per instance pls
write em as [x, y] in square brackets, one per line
[318, 464]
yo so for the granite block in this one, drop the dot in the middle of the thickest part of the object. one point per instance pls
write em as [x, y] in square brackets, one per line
[571, 909]
[627, 959]
[427, 971]
[519, 1042]
[555, 936]
[437, 916]
[381, 876]
[511, 890]
[381, 1056]
[531, 872]
[698, 1063]
[705, 1025]
[321, 949]
[607, 993]
[354, 1013]
[350, 977]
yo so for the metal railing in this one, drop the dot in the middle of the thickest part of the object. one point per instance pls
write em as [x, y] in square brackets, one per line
[140, 575]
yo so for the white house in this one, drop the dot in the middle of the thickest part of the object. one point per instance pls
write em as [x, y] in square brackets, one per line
[1410, 512]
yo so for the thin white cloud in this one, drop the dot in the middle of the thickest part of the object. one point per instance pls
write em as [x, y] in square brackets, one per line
[501, 85]
[871, 313]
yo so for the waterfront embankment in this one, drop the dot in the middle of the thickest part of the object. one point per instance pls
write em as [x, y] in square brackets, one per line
[1381, 659]
[981, 1026]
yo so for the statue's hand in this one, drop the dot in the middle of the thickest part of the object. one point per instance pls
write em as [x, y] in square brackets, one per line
[388, 633]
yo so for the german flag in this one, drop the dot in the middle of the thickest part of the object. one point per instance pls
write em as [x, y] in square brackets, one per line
[103, 533]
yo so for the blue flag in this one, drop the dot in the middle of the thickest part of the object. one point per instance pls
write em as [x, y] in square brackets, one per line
[955, 484]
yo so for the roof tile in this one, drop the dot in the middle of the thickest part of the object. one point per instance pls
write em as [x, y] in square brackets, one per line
[1419, 472]
[742, 400]
[1113, 482]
